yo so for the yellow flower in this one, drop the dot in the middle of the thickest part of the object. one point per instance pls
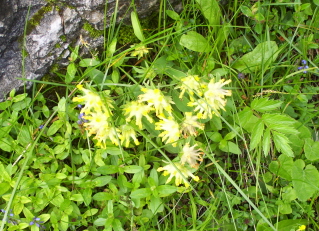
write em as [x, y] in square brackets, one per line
[203, 108]
[140, 51]
[138, 110]
[171, 169]
[127, 133]
[171, 131]
[189, 125]
[192, 84]
[154, 97]
[216, 88]
[301, 227]
[191, 155]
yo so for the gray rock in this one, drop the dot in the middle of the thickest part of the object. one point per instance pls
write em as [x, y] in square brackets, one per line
[52, 27]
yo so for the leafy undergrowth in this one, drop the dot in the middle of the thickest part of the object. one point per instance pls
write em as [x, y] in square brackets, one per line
[209, 123]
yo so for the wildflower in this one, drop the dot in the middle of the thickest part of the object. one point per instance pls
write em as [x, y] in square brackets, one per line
[140, 51]
[41, 126]
[81, 118]
[189, 125]
[240, 75]
[303, 62]
[191, 155]
[138, 110]
[37, 221]
[171, 131]
[192, 84]
[213, 99]
[301, 227]
[305, 66]
[154, 97]
[184, 172]
[10, 218]
[127, 133]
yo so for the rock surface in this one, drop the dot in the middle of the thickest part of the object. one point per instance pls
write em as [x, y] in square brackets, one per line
[52, 26]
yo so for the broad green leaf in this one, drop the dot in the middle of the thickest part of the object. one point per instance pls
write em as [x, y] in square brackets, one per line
[266, 141]
[102, 196]
[316, 2]
[100, 222]
[89, 62]
[55, 127]
[246, 11]
[132, 169]
[262, 55]
[74, 54]
[256, 134]
[137, 26]
[64, 223]
[102, 181]
[211, 11]
[282, 143]
[87, 196]
[304, 180]
[90, 212]
[195, 42]
[284, 208]
[228, 146]
[172, 14]
[21, 104]
[247, 119]
[280, 123]
[311, 149]
[282, 167]
[4, 187]
[141, 193]
[76, 197]
[108, 169]
[156, 205]
[214, 136]
[288, 225]
[71, 71]
[5, 144]
[166, 190]
[181, 104]
[264, 104]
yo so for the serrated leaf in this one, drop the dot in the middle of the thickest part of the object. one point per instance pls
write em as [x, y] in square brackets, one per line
[137, 26]
[304, 180]
[261, 56]
[195, 42]
[311, 149]
[282, 143]
[264, 104]
[246, 119]
[266, 142]
[280, 123]
[282, 167]
[256, 134]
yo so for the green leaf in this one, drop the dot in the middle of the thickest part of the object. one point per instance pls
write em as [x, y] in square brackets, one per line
[100, 222]
[266, 142]
[141, 193]
[195, 42]
[4, 187]
[64, 223]
[102, 181]
[55, 127]
[230, 147]
[74, 55]
[311, 149]
[166, 190]
[102, 196]
[282, 143]
[256, 134]
[5, 144]
[156, 205]
[211, 11]
[108, 169]
[288, 225]
[172, 14]
[137, 27]
[87, 196]
[132, 169]
[90, 212]
[262, 55]
[89, 62]
[280, 123]
[264, 104]
[316, 2]
[304, 180]
[246, 11]
[282, 167]
[71, 71]
[214, 136]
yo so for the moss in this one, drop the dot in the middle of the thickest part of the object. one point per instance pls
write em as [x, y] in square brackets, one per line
[94, 33]
[37, 17]
[63, 38]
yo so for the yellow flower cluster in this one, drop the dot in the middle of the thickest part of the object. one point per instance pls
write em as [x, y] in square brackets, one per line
[96, 112]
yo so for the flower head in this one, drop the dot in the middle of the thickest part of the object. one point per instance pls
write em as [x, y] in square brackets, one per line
[37, 221]
[192, 85]
[191, 156]
[140, 51]
[171, 131]
[137, 110]
[184, 172]
[301, 227]
[127, 133]
[155, 98]
[189, 125]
